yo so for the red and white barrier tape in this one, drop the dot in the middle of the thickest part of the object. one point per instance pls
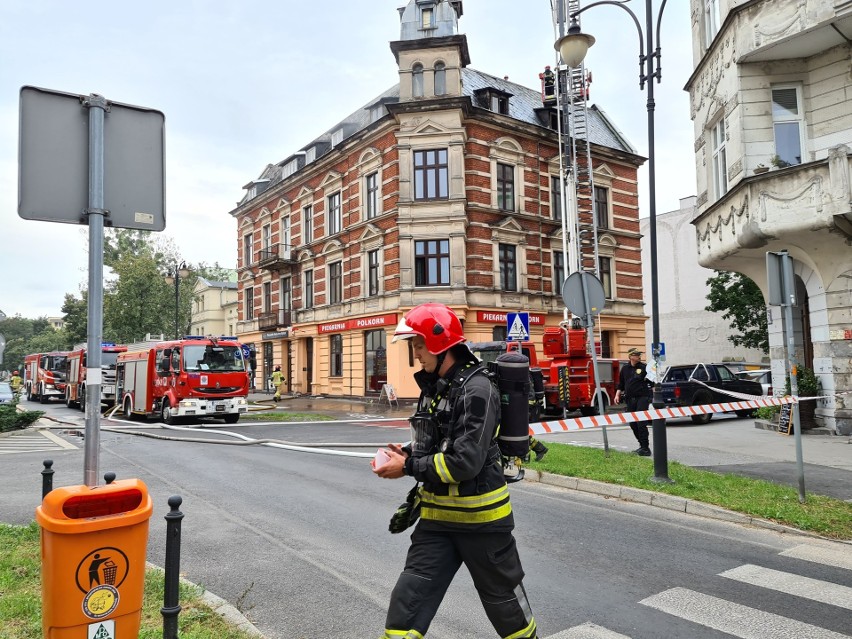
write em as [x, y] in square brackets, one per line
[616, 419]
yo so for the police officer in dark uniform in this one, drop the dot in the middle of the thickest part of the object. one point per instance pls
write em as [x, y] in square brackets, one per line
[635, 387]
[465, 512]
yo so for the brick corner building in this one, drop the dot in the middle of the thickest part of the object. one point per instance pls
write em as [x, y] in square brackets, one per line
[444, 188]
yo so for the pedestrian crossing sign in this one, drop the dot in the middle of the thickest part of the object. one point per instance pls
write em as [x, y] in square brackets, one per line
[517, 327]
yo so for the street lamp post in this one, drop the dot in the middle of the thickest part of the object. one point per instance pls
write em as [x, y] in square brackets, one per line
[573, 47]
[173, 276]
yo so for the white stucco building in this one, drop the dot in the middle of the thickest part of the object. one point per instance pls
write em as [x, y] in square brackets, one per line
[690, 333]
[773, 80]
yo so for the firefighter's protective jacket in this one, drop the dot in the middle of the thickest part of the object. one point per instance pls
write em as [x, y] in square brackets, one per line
[464, 488]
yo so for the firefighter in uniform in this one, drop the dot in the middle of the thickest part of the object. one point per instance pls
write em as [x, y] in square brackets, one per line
[16, 382]
[277, 382]
[465, 512]
[635, 387]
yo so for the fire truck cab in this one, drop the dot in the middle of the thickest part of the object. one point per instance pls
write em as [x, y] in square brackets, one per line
[187, 378]
[75, 391]
[44, 376]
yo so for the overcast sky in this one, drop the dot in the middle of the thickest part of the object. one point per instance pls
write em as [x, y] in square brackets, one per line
[244, 84]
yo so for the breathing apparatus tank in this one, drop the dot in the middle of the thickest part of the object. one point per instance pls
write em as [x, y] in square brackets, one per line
[513, 383]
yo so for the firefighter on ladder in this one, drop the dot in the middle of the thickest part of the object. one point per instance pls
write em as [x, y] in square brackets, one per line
[277, 382]
[465, 512]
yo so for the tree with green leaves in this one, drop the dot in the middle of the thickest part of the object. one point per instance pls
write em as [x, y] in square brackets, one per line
[741, 302]
[76, 315]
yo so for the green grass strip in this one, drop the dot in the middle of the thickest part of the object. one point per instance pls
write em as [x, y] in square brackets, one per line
[20, 595]
[819, 514]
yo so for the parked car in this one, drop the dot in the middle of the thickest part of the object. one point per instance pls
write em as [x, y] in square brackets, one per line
[762, 377]
[681, 389]
[6, 394]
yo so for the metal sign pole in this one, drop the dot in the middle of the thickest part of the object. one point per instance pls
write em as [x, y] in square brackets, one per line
[590, 329]
[97, 105]
[789, 300]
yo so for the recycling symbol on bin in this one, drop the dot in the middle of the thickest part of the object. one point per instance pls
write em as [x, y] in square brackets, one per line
[107, 566]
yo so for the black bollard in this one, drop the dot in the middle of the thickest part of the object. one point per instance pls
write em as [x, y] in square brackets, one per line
[171, 600]
[47, 477]
[109, 478]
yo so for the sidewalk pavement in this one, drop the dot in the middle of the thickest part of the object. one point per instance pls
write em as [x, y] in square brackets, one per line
[336, 406]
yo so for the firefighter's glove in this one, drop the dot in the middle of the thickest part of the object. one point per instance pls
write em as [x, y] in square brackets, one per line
[407, 513]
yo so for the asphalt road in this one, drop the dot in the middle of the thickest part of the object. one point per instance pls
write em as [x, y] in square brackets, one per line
[299, 542]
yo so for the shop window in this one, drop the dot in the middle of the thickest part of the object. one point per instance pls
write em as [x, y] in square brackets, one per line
[376, 360]
[336, 355]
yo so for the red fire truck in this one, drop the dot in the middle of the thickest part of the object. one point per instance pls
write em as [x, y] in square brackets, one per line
[565, 356]
[44, 376]
[75, 391]
[190, 377]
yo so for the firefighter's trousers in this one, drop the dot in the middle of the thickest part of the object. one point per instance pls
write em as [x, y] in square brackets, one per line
[432, 562]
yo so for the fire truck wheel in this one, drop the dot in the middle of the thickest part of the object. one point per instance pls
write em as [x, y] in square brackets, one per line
[29, 393]
[82, 403]
[41, 396]
[127, 409]
[166, 414]
[232, 419]
[68, 402]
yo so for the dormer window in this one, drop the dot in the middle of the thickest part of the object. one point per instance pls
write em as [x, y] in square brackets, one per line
[494, 100]
[427, 18]
[252, 191]
[377, 112]
[337, 137]
[311, 154]
[290, 168]
[500, 104]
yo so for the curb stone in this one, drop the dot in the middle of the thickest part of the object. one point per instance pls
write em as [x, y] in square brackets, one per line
[661, 500]
[221, 607]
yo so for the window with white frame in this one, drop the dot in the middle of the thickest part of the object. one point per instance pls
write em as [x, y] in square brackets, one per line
[335, 282]
[440, 78]
[376, 112]
[337, 137]
[267, 297]
[417, 80]
[602, 206]
[427, 18]
[373, 267]
[431, 177]
[432, 263]
[334, 219]
[556, 196]
[787, 123]
[372, 195]
[286, 293]
[508, 267]
[266, 236]
[711, 21]
[307, 224]
[605, 270]
[311, 154]
[558, 272]
[720, 161]
[247, 249]
[308, 290]
[505, 187]
[248, 307]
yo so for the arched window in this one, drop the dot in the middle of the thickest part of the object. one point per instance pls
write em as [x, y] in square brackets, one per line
[417, 80]
[440, 78]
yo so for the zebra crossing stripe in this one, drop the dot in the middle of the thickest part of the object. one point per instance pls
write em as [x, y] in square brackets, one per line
[833, 557]
[735, 619]
[587, 631]
[813, 589]
[58, 440]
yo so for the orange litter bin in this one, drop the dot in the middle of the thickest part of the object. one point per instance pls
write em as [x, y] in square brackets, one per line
[93, 546]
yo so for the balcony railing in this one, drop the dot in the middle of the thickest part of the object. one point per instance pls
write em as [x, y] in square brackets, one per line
[274, 319]
[274, 257]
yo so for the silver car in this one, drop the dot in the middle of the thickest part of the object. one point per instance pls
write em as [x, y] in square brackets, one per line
[6, 394]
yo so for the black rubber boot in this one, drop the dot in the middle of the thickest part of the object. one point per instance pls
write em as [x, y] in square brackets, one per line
[539, 449]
